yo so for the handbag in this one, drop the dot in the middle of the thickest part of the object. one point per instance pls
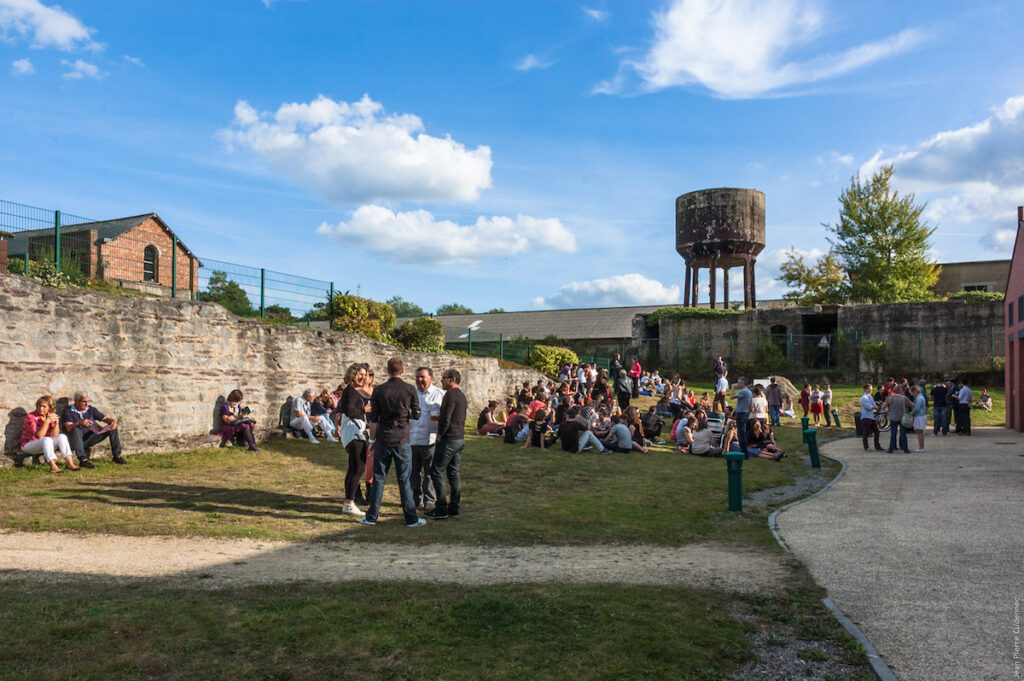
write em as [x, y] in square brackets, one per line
[907, 421]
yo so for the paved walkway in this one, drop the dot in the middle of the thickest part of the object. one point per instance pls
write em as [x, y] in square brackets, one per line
[925, 552]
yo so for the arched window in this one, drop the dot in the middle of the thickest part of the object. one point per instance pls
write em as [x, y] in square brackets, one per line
[149, 264]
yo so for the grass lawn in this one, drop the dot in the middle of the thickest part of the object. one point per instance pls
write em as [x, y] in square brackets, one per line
[397, 631]
[292, 490]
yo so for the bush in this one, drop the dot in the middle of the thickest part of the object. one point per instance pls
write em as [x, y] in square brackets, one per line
[549, 359]
[688, 313]
[976, 296]
[770, 357]
[425, 334]
[362, 315]
[43, 271]
[875, 352]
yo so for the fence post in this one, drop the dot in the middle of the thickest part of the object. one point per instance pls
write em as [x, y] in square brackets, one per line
[992, 364]
[789, 351]
[501, 346]
[56, 240]
[174, 266]
[263, 289]
[330, 308]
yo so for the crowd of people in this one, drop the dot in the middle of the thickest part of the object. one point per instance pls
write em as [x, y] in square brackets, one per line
[906, 407]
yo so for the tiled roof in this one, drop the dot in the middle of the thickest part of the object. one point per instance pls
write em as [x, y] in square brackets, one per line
[105, 229]
[596, 323]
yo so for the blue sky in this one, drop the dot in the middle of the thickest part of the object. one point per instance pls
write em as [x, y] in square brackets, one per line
[515, 155]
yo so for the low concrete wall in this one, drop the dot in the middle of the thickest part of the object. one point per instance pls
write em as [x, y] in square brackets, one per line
[160, 365]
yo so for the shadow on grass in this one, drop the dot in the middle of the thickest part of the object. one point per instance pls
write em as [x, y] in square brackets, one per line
[243, 501]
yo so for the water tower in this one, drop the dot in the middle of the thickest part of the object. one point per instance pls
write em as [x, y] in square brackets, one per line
[719, 229]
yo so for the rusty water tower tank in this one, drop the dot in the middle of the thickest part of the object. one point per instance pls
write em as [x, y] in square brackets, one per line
[720, 229]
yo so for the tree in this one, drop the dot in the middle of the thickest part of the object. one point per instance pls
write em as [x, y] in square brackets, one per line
[403, 308]
[882, 242]
[362, 315]
[228, 293]
[278, 313]
[453, 308]
[495, 309]
[822, 283]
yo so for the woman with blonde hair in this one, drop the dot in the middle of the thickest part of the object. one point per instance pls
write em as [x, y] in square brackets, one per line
[355, 435]
[41, 434]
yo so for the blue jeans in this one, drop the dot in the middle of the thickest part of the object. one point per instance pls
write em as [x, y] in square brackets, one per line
[447, 459]
[774, 411]
[893, 427]
[941, 415]
[382, 457]
[742, 419]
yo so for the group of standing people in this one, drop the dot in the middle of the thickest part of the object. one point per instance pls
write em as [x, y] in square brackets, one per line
[906, 406]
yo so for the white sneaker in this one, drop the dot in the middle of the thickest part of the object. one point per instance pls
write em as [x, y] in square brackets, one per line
[917, 450]
[420, 522]
[352, 509]
[314, 441]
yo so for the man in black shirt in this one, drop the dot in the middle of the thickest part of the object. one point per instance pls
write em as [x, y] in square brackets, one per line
[940, 408]
[451, 440]
[391, 407]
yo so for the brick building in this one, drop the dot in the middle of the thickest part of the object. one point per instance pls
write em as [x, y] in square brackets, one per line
[136, 252]
[1013, 305]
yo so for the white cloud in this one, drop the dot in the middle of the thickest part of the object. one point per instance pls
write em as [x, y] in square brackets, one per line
[133, 60]
[620, 290]
[740, 48]
[596, 14]
[49, 26]
[81, 69]
[416, 237]
[532, 61]
[973, 175]
[22, 67]
[355, 152]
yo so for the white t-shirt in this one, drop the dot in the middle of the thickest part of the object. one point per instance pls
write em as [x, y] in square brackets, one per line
[759, 408]
[423, 431]
[722, 386]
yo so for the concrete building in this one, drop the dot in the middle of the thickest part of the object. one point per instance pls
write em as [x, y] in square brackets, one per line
[981, 275]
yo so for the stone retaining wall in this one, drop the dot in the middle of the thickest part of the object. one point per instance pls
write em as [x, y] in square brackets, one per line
[160, 365]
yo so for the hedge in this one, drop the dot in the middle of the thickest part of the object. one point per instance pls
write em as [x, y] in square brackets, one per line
[549, 359]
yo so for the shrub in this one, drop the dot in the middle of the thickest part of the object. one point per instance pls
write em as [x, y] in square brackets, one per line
[43, 271]
[549, 359]
[362, 315]
[875, 352]
[976, 296]
[770, 357]
[688, 313]
[424, 334]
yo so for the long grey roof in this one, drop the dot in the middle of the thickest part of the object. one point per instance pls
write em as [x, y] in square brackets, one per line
[595, 323]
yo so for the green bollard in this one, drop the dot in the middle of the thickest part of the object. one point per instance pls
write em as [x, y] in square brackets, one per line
[835, 418]
[811, 439]
[805, 423]
[734, 465]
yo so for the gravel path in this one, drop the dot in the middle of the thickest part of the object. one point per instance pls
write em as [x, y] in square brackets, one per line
[924, 552]
[224, 562]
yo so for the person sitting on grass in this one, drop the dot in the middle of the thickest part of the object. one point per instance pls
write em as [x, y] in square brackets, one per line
[40, 434]
[636, 427]
[302, 417]
[653, 423]
[603, 424]
[517, 423]
[985, 401]
[84, 425]
[540, 435]
[702, 439]
[684, 433]
[323, 406]
[486, 423]
[235, 421]
[620, 439]
[663, 408]
[761, 443]
[575, 434]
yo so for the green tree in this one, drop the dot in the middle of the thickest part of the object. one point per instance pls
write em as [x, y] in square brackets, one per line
[883, 242]
[228, 293]
[495, 309]
[362, 315]
[278, 313]
[403, 308]
[453, 308]
[823, 282]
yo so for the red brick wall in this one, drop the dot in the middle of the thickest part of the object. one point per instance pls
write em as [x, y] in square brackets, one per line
[1014, 330]
[123, 257]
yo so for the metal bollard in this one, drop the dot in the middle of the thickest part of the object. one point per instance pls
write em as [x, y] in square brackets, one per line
[811, 438]
[734, 465]
[805, 422]
[835, 418]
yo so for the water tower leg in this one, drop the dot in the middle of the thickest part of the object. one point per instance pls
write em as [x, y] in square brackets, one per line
[725, 287]
[753, 286]
[747, 281]
[713, 273]
[686, 289]
[696, 279]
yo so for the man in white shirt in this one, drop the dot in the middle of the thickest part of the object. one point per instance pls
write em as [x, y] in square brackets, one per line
[303, 420]
[963, 421]
[422, 437]
[867, 417]
[721, 387]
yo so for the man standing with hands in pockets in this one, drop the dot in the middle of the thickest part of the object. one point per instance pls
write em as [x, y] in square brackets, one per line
[423, 434]
[451, 440]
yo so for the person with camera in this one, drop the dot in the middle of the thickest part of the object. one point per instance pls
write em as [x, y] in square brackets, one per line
[236, 421]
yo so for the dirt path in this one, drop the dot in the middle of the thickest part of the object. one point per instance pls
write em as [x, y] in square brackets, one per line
[228, 562]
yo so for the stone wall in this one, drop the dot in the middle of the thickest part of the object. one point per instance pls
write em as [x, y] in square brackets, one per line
[947, 336]
[160, 365]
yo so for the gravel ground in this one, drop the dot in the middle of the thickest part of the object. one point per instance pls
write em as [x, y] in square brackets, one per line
[924, 552]
[221, 562]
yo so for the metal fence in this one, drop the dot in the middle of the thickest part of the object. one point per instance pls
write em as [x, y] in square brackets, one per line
[486, 344]
[141, 253]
